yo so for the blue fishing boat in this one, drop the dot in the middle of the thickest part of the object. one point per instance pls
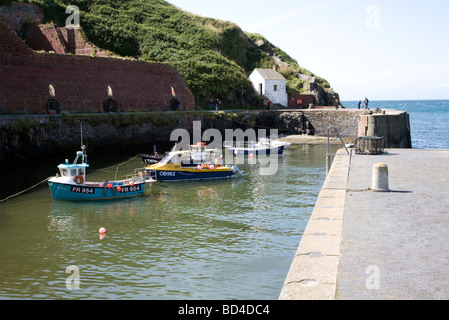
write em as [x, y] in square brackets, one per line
[70, 183]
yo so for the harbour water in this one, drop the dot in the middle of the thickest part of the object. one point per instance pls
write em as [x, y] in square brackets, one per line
[230, 239]
[198, 240]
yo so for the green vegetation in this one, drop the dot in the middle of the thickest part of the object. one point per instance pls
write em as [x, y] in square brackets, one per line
[214, 57]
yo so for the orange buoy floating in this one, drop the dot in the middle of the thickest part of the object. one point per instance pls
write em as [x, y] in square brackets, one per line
[102, 232]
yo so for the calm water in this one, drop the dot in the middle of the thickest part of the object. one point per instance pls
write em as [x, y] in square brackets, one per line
[199, 240]
[428, 120]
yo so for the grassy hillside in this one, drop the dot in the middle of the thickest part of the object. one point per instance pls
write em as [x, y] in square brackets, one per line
[214, 57]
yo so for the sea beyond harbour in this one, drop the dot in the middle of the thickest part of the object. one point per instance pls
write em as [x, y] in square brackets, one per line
[182, 241]
[429, 129]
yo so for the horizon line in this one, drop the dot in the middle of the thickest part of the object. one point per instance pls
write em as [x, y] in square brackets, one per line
[398, 100]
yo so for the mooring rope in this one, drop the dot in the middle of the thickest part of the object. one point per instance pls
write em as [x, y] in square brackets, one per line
[45, 180]
[119, 165]
[26, 190]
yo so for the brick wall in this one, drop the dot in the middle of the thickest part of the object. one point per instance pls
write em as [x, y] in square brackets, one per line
[81, 82]
[77, 43]
[49, 37]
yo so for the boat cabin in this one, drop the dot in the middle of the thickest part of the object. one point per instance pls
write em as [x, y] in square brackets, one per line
[74, 172]
[197, 154]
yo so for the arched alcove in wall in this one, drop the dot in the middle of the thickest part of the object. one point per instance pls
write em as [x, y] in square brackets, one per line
[53, 106]
[110, 105]
[174, 104]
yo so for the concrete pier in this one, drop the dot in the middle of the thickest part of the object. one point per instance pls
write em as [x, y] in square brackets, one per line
[365, 245]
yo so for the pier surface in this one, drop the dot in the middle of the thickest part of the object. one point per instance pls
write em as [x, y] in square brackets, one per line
[365, 245]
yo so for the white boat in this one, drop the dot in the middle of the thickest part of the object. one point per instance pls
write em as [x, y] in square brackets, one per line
[265, 146]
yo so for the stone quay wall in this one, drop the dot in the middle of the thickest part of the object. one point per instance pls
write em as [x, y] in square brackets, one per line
[41, 134]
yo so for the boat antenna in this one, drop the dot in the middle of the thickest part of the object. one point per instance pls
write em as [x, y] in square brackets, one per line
[81, 124]
[83, 147]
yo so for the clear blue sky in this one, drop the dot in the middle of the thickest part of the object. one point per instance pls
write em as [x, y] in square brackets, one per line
[384, 50]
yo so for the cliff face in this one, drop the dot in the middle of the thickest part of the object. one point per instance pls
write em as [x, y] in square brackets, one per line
[324, 96]
[214, 57]
[299, 80]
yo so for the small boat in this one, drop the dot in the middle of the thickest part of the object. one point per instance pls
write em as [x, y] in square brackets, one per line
[149, 160]
[71, 185]
[197, 163]
[264, 146]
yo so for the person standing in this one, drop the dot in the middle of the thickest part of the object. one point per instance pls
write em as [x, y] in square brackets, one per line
[359, 104]
[217, 104]
[366, 103]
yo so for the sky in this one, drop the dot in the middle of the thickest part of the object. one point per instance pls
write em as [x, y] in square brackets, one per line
[383, 50]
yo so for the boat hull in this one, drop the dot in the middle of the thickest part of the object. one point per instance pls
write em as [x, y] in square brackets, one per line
[190, 175]
[69, 192]
[149, 160]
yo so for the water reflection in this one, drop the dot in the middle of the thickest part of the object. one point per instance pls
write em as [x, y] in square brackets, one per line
[230, 239]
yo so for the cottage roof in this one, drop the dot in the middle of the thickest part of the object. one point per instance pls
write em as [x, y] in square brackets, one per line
[269, 74]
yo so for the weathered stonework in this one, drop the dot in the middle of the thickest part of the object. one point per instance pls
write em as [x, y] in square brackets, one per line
[81, 83]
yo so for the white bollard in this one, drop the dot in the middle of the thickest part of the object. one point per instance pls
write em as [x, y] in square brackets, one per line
[380, 178]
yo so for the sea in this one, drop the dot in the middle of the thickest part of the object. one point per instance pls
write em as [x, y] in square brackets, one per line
[210, 240]
[429, 129]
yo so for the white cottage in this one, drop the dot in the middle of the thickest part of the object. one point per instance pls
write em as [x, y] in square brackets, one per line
[271, 84]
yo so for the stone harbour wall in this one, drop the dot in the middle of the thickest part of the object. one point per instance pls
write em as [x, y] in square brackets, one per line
[40, 135]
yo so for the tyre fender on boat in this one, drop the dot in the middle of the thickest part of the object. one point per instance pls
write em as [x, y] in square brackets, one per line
[79, 179]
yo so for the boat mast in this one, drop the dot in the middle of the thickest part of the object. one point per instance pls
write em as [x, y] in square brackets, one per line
[81, 124]
[83, 149]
